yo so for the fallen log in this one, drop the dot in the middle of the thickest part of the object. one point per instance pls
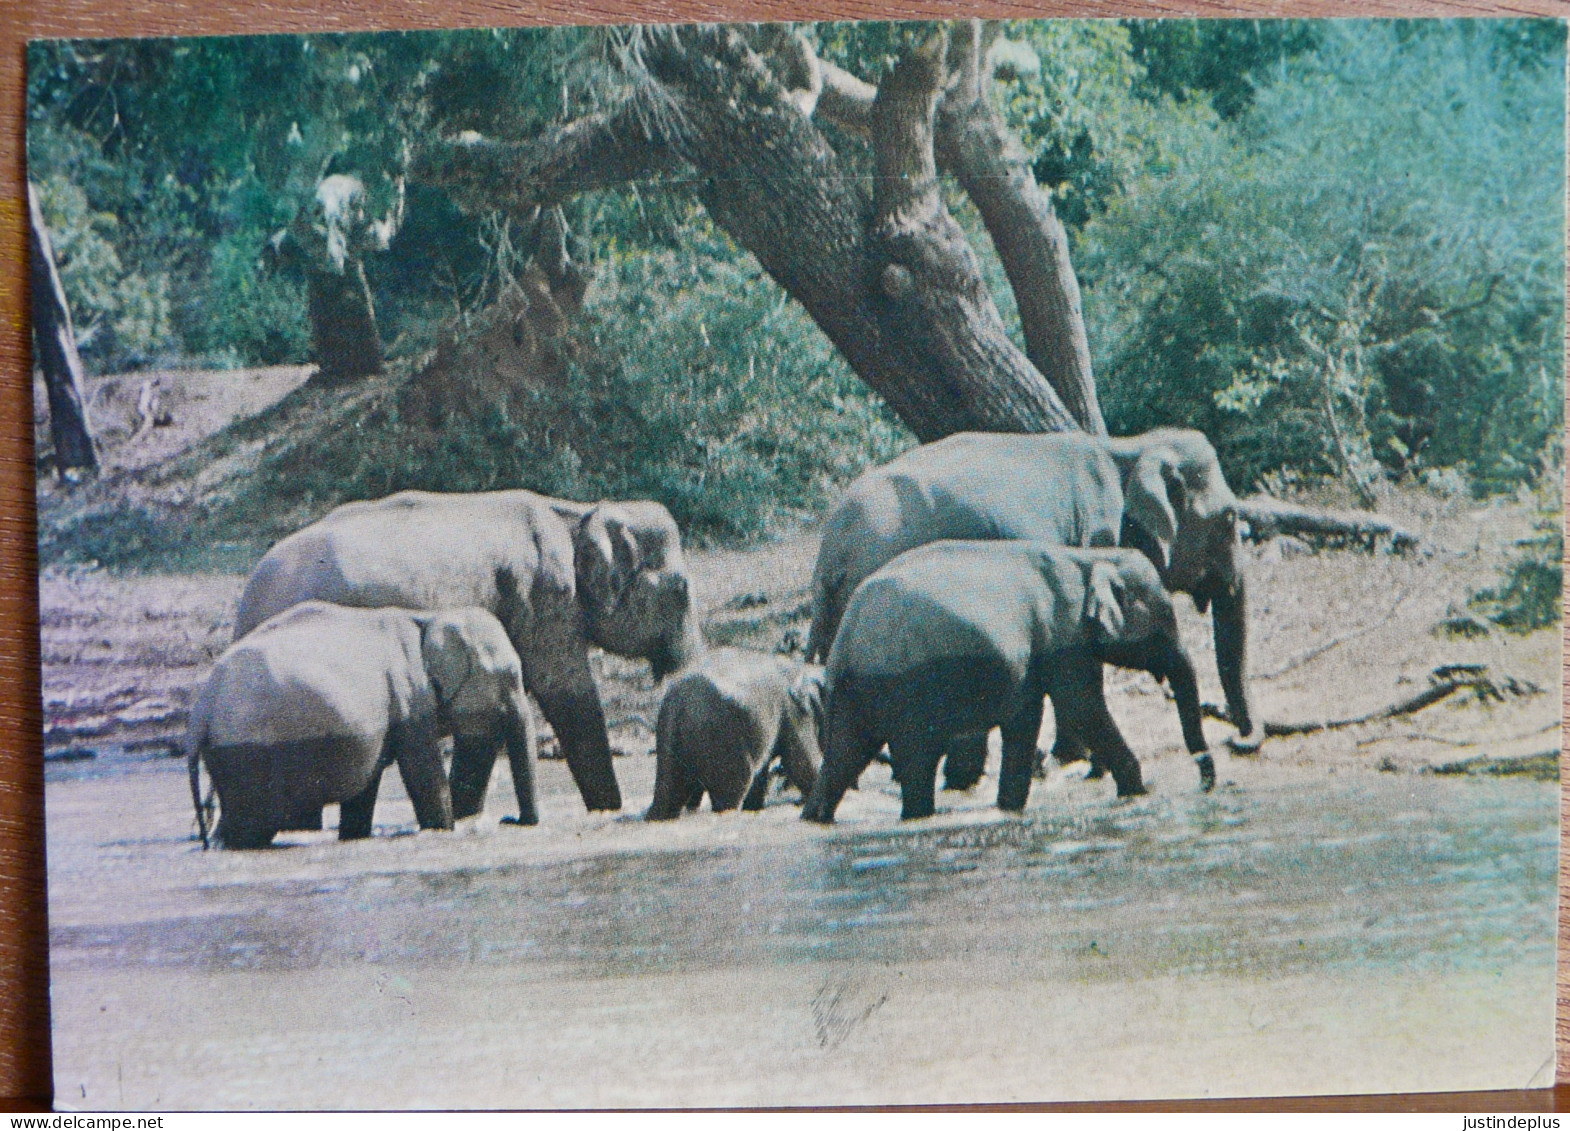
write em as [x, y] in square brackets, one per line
[1265, 518]
[1445, 682]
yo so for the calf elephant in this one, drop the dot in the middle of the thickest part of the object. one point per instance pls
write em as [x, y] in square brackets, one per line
[1162, 492]
[959, 637]
[722, 725]
[559, 576]
[312, 706]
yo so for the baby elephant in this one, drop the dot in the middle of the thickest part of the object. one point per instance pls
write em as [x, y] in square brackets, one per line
[957, 637]
[313, 705]
[724, 722]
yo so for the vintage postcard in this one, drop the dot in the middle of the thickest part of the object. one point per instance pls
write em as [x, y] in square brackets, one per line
[800, 564]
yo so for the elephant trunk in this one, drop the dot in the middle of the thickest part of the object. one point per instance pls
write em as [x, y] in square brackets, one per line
[518, 734]
[825, 621]
[473, 758]
[677, 648]
[1229, 613]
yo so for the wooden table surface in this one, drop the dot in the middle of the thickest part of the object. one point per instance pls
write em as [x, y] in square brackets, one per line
[24, 1000]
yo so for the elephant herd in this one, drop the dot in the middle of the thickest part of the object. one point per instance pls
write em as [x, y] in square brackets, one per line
[955, 589]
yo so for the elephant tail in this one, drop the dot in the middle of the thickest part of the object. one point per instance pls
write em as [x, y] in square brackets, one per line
[195, 741]
[826, 614]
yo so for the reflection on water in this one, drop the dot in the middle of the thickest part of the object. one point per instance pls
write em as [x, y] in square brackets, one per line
[1409, 873]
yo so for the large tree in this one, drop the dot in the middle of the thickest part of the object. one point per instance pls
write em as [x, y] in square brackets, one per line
[55, 342]
[832, 183]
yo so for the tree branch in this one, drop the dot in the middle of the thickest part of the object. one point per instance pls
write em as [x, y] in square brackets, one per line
[906, 191]
[973, 142]
[931, 280]
[845, 100]
[1267, 517]
[1446, 681]
[594, 152]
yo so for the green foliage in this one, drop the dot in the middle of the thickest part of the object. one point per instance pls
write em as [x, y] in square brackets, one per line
[1531, 593]
[118, 314]
[202, 151]
[703, 387]
[1359, 277]
[1080, 117]
[1226, 60]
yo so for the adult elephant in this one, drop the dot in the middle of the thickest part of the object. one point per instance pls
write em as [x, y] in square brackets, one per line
[312, 706]
[1162, 492]
[558, 575]
[959, 637]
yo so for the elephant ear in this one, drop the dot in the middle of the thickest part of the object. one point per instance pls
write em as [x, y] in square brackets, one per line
[807, 695]
[1148, 498]
[606, 558]
[1103, 606]
[448, 657]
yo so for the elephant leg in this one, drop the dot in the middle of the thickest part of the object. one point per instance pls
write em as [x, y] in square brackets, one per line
[670, 788]
[306, 819]
[1080, 706]
[1019, 756]
[233, 833]
[473, 760]
[354, 815]
[415, 748]
[847, 752]
[759, 789]
[1067, 748]
[522, 742]
[965, 761]
[918, 762]
[570, 702]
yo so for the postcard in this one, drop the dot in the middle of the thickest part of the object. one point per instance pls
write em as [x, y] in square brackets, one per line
[807, 564]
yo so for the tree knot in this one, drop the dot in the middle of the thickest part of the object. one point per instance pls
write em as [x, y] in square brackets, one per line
[897, 282]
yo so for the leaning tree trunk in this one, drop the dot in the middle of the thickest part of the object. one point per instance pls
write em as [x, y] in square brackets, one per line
[974, 143]
[889, 277]
[57, 357]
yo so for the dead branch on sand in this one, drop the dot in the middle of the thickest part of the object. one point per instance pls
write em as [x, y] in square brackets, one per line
[1463, 742]
[1445, 682]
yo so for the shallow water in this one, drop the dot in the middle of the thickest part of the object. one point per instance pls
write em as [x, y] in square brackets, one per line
[1403, 872]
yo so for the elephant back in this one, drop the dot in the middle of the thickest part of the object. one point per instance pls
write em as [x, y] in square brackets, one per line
[1062, 488]
[414, 550]
[732, 701]
[944, 603]
[315, 671]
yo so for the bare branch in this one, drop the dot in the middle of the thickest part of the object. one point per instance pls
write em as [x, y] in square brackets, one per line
[594, 152]
[1267, 517]
[1446, 681]
[1319, 650]
[973, 142]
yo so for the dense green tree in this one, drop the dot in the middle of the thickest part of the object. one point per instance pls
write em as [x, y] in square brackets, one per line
[1361, 275]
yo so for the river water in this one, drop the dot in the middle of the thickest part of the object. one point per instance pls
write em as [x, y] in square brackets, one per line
[1382, 930]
